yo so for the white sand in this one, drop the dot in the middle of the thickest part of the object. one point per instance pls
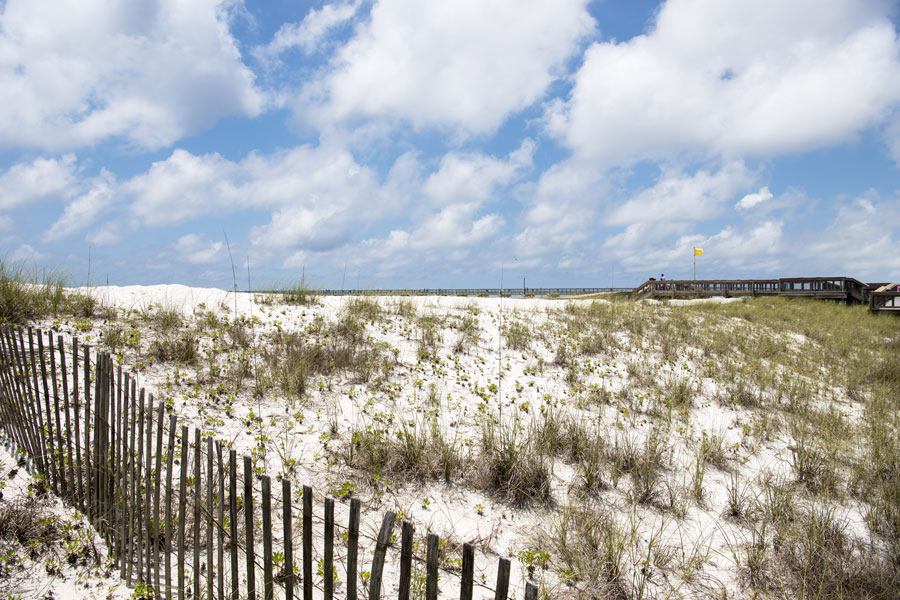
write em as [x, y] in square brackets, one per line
[530, 385]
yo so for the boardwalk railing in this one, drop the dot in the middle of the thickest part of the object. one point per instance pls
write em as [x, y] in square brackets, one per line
[192, 518]
[827, 288]
[510, 292]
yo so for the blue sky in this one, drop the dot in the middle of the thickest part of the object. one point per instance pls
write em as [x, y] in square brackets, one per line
[404, 143]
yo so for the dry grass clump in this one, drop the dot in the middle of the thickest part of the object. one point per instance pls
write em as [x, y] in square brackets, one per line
[26, 296]
[588, 547]
[513, 465]
[415, 450]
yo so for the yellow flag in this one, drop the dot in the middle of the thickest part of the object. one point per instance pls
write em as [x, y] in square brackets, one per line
[698, 251]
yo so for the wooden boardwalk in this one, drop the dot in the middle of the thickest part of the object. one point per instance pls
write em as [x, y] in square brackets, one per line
[879, 296]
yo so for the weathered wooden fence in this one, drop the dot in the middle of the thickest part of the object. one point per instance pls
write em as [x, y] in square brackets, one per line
[158, 498]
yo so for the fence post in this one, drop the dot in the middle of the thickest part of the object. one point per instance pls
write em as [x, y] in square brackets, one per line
[268, 588]
[431, 566]
[352, 548]
[329, 549]
[70, 457]
[89, 471]
[248, 525]
[210, 480]
[34, 399]
[221, 518]
[156, 485]
[307, 543]
[170, 457]
[54, 476]
[381, 544]
[148, 502]
[531, 591]
[468, 572]
[502, 589]
[78, 461]
[232, 514]
[406, 548]
[288, 540]
[182, 512]
[198, 497]
[138, 495]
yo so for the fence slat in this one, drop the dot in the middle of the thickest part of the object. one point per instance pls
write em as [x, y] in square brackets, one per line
[248, 525]
[198, 498]
[307, 543]
[138, 491]
[468, 572]
[381, 543]
[232, 515]
[329, 549]
[147, 538]
[210, 481]
[54, 477]
[34, 400]
[78, 461]
[431, 567]
[531, 591]
[221, 519]
[156, 485]
[406, 549]
[23, 406]
[14, 398]
[60, 466]
[89, 492]
[268, 587]
[124, 454]
[502, 589]
[288, 540]
[170, 457]
[182, 512]
[129, 423]
[117, 453]
[352, 548]
[70, 456]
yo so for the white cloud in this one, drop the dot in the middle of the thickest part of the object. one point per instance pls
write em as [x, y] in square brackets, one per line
[473, 177]
[197, 249]
[755, 199]
[41, 179]
[861, 240]
[310, 32]
[735, 79]
[84, 210]
[463, 65]
[451, 218]
[681, 197]
[27, 254]
[77, 73]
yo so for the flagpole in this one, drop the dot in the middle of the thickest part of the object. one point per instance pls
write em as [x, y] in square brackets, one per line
[695, 263]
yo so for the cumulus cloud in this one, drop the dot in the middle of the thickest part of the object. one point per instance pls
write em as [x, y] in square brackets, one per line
[862, 239]
[85, 209]
[197, 249]
[452, 217]
[308, 33]
[463, 65]
[77, 73]
[751, 200]
[678, 196]
[734, 79]
[41, 179]
[27, 254]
